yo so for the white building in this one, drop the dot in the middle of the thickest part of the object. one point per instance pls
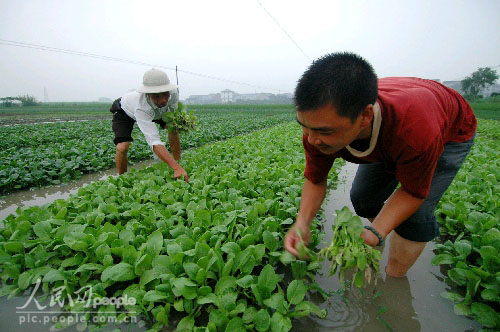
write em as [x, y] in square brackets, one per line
[228, 96]
[490, 89]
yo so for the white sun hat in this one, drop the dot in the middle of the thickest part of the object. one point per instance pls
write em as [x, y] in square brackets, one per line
[155, 81]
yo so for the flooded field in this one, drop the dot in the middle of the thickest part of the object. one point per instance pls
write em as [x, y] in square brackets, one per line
[409, 304]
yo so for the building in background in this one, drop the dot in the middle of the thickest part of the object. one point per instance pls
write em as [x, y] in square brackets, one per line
[455, 85]
[213, 98]
[227, 96]
[494, 88]
[230, 97]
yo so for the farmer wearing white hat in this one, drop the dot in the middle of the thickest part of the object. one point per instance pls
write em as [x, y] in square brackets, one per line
[146, 106]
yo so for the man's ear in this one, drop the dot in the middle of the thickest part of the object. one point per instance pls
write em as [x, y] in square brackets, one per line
[367, 116]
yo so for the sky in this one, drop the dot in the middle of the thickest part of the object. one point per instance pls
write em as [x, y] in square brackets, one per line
[234, 41]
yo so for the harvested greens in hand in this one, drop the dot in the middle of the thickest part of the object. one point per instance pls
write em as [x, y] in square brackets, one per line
[349, 251]
[180, 119]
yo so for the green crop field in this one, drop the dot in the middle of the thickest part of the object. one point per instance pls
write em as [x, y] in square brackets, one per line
[469, 215]
[488, 108]
[51, 153]
[210, 252]
[52, 112]
[49, 112]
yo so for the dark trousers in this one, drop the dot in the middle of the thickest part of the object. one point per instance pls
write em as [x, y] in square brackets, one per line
[123, 125]
[373, 185]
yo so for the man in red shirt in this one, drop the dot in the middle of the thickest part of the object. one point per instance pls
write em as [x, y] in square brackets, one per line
[402, 131]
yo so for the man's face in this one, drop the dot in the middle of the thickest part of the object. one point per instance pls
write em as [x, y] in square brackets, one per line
[160, 99]
[329, 132]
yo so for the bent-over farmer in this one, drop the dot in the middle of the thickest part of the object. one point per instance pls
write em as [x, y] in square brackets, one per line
[146, 106]
[402, 131]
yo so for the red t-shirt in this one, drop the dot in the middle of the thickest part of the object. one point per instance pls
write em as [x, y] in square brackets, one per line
[417, 118]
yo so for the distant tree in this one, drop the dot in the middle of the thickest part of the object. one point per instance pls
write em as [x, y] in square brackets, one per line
[478, 80]
[28, 100]
[7, 101]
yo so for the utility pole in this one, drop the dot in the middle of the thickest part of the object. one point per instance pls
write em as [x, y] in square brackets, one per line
[177, 79]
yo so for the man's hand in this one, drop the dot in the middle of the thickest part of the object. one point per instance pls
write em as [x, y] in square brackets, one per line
[163, 154]
[370, 238]
[178, 172]
[292, 239]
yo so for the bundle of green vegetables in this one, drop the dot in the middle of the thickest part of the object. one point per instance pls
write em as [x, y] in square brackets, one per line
[349, 251]
[180, 119]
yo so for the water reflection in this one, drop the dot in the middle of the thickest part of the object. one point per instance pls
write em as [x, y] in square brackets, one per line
[41, 196]
[393, 302]
[384, 305]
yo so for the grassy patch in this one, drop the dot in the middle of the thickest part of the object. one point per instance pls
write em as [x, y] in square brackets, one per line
[488, 108]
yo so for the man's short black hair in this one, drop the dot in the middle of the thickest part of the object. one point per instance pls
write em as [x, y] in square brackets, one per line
[344, 80]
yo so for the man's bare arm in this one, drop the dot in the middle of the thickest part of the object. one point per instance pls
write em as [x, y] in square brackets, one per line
[174, 139]
[162, 153]
[399, 207]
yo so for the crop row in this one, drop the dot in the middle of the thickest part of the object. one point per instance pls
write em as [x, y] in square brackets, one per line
[209, 251]
[37, 155]
[469, 217]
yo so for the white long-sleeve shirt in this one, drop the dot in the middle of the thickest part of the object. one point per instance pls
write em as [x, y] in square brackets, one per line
[142, 109]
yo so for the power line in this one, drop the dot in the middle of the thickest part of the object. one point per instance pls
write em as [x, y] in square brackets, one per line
[108, 58]
[286, 33]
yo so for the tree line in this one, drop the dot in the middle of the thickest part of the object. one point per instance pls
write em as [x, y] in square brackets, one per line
[26, 100]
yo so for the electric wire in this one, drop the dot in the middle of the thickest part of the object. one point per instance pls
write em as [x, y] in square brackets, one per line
[108, 58]
[286, 33]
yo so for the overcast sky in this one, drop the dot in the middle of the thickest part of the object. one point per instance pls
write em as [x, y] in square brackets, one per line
[235, 40]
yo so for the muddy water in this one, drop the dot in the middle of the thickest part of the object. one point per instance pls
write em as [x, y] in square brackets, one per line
[26, 198]
[409, 304]
[22, 123]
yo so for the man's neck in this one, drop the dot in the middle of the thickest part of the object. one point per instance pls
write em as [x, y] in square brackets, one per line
[367, 132]
[362, 143]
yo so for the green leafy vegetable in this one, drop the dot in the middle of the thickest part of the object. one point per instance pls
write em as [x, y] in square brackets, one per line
[469, 218]
[348, 251]
[180, 120]
[210, 247]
